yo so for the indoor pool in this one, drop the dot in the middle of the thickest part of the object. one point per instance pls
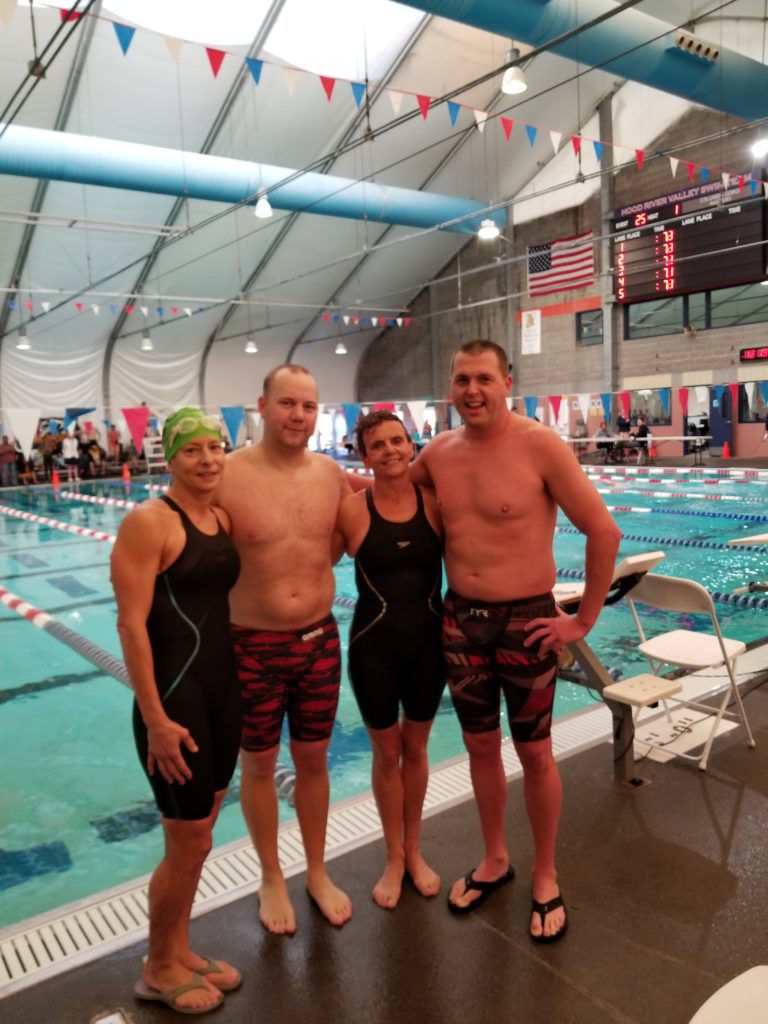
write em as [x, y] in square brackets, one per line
[75, 805]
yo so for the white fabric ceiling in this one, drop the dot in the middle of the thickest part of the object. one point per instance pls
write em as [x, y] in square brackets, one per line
[65, 243]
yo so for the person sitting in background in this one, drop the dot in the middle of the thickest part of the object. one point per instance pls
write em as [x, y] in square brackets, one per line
[603, 447]
[640, 435]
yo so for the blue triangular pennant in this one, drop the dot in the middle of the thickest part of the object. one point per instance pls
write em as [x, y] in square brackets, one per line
[10, 303]
[358, 91]
[531, 401]
[255, 66]
[453, 112]
[704, 174]
[530, 131]
[599, 147]
[160, 310]
[605, 398]
[124, 35]
[234, 416]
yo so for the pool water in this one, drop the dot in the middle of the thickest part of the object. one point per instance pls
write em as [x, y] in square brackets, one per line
[75, 807]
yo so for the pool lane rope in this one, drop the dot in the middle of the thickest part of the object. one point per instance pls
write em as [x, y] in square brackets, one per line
[740, 600]
[682, 494]
[56, 524]
[102, 659]
[676, 471]
[676, 542]
[96, 500]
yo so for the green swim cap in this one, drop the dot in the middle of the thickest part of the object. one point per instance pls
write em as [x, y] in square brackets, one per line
[185, 425]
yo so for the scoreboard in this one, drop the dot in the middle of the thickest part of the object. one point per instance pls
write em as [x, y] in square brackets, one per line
[699, 238]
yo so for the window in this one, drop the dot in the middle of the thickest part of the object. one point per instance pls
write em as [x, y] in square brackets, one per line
[654, 405]
[659, 316]
[753, 401]
[589, 327]
[747, 304]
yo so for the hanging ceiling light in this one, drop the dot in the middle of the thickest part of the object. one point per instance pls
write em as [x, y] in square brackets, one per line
[341, 349]
[23, 342]
[513, 81]
[760, 148]
[146, 342]
[488, 230]
[250, 345]
[263, 207]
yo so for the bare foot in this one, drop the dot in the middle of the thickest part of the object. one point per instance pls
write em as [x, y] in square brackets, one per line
[387, 890]
[544, 890]
[218, 973]
[275, 908]
[330, 900]
[154, 983]
[423, 877]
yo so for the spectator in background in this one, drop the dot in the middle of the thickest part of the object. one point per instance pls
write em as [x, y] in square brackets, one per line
[7, 463]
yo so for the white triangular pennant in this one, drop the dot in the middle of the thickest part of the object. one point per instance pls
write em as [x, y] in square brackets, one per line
[554, 138]
[95, 310]
[375, 321]
[22, 424]
[7, 9]
[144, 310]
[174, 46]
[583, 400]
[188, 310]
[726, 179]
[673, 165]
[289, 76]
[46, 306]
[399, 321]
[480, 118]
[345, 318]
[396, 99]
[702, 395]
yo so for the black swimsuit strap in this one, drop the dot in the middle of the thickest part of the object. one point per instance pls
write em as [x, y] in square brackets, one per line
[375, 514]
[185, 518]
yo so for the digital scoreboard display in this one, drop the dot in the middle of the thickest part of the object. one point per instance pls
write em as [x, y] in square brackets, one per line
[753, 355]
[699, 238]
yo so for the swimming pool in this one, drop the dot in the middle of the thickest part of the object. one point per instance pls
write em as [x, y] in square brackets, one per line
[75, 806]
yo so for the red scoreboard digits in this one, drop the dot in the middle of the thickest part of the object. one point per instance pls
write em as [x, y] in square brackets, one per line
[694, 241]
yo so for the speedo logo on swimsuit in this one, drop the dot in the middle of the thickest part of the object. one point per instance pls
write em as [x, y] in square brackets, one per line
[480, 613]
[403, 543]
[313, 634]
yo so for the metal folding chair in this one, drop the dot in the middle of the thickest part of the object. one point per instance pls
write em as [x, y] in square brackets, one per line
[688, 648]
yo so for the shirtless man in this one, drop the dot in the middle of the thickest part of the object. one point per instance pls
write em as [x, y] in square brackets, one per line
[282, 501]
[499, 481]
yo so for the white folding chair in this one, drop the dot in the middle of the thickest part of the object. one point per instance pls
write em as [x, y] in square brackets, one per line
[744, 1000]
[688, 648]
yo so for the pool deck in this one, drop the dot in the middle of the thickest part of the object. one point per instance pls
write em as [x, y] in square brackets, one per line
[666, 887]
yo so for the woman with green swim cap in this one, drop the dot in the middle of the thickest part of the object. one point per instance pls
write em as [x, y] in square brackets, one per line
[173, 566]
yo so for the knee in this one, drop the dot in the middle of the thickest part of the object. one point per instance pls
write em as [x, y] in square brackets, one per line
[310, 758]
[536, 758]
[483, 745]
[258, 766]
[191, 842]
[387, 759]
[414, 750]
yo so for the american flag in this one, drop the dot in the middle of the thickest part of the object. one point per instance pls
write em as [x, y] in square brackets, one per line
[564, 263]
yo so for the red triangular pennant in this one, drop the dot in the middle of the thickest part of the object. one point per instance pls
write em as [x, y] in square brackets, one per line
[507, 124]
[741, 183]
[424, 102]
[576, 143]
[129, 310]
[639, 156]
[691, 172]
[327, 84]
[70, 15]
[215, 57]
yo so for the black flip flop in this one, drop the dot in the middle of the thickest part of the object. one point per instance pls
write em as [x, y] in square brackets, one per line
[542, 909]
[484, 888]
